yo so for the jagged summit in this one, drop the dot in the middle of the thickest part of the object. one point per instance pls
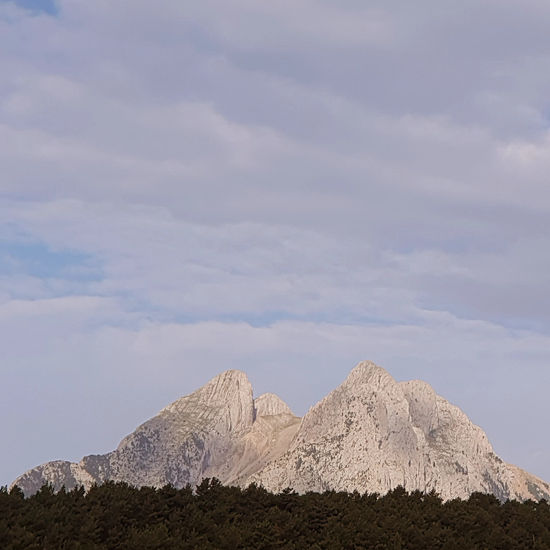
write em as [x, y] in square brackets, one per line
[366, 368]
[223, 387]
[228, 380]
[227, 397]
[371, 433]
[374, 433]
[269, 404]
[367, 374]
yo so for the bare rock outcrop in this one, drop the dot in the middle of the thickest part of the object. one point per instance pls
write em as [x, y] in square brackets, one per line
[370, 434]
[217, 431]
[374, 434]
[270, 404]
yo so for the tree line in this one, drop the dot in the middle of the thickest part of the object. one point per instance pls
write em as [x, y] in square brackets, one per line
[213, 516]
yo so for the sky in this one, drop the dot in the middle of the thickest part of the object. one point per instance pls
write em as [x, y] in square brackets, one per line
[284, 188]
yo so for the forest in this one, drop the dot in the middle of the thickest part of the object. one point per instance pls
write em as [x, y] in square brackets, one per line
[213, 516]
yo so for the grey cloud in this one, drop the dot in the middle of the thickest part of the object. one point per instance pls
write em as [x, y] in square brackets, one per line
[371, 172]
[401, 181]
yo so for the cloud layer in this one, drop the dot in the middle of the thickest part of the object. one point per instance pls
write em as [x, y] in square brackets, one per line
[285, 189]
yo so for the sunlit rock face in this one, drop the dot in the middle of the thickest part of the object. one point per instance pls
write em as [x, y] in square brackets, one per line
[370, 434]
[373, 434]
[217, 431]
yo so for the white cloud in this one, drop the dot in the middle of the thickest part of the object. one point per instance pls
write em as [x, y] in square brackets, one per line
[355, 181]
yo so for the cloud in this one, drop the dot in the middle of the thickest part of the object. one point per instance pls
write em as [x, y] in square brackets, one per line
[281, 188]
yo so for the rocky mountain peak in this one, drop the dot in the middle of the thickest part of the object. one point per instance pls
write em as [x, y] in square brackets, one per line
[227, 396]
[368, 374]
[270, 404]
[371, 433]
[226, 386]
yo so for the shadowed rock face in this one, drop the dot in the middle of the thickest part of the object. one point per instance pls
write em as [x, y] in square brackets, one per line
[370, 434]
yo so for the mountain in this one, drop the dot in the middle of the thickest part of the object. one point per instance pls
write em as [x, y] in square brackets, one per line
[370, 434]
[217, 431]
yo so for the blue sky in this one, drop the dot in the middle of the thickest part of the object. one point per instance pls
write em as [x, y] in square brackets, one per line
[44, 6]
[285, 188]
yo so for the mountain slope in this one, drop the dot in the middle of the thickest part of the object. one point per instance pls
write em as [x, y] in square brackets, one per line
[370, 434]
[373, 433]
[214, 432]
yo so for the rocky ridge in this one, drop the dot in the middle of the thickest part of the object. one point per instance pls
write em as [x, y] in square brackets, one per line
[370, 434]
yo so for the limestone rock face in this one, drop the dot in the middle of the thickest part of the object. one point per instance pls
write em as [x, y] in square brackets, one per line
[373, 434]
[214, 432]
[370, 434]
[269, 404]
